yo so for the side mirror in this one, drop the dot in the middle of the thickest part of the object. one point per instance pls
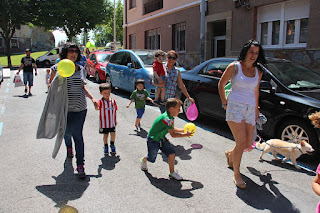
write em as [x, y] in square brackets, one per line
[266, 85]
[129, 65]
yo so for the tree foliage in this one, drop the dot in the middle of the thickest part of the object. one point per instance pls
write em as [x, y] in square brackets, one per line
[71, 15]
[104, 33]
[13, 14]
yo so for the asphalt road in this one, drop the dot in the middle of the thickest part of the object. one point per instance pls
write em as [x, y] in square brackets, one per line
[32, 181]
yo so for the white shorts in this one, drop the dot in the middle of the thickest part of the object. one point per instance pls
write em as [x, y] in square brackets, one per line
[237, 112]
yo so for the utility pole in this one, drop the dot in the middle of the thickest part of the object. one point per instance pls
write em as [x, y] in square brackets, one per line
[114, 26]
[202, 29]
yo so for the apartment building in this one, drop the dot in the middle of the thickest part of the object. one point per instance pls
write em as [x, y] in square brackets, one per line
[286, 28]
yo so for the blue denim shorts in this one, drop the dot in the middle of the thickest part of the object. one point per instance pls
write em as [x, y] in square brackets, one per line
[237, 112]
[153, 147]
[140, 112]
[28, 77]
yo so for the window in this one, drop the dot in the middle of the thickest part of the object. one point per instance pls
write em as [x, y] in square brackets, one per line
[132, 4]
[215, 69]
[152, 5]
[14, 43]
[132, 41]
[284, 25]
[179, 36]
[116, 58]
[153, 39]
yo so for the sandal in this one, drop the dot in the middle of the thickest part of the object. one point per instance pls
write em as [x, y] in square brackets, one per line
[241, 185]
[230, 164]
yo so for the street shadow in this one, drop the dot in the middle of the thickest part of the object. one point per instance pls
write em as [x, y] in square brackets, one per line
[260, 197]
[288, 166]
[142, 133]
[108, 163]
[181, 152]
[174, 187]
[21, 96]
[68, 186]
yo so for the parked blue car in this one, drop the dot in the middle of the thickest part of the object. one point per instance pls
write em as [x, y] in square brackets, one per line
[126, 66]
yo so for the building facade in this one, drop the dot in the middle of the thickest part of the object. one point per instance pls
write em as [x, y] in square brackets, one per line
[286, 28]
[34, 38]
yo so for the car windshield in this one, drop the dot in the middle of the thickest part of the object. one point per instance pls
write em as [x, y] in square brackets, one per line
[146, 57]
[294, 76]
[103, 58]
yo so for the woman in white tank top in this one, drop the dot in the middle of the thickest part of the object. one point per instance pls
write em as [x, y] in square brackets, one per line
[242, 105]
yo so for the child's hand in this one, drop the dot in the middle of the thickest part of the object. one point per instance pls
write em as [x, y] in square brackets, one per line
[189, 133]
[128, 106]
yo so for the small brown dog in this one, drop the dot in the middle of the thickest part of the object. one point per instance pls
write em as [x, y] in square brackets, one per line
[315, 119]
[288, 150]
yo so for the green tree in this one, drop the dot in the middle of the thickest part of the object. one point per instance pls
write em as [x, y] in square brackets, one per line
[13, 14]
[72, 16]
[104, 33]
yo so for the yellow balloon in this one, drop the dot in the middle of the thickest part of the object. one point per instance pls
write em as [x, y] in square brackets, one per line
[66, 68]
[190, 127]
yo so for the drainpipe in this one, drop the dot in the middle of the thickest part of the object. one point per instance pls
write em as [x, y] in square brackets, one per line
[202, 29]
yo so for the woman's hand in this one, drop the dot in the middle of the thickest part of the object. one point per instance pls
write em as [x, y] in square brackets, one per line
[257, 112]
[191, 99]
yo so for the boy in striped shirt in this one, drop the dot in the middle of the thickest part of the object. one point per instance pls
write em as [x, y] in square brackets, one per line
[107, 117]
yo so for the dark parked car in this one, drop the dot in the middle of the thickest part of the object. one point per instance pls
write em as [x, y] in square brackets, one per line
[97, 65]
[288, 94]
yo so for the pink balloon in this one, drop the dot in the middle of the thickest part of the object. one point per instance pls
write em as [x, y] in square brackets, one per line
[192, 112]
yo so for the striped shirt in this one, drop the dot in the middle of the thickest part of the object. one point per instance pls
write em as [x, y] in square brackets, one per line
[76, 94]
[171, 83]
[108, 113]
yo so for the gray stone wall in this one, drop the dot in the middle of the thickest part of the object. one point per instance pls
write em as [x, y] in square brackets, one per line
[189, 60]
[307, 58]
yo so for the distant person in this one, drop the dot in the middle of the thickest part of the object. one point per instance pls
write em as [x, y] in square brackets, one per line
[28, 63]
[159, 76]
[157, 137]
[83, 63]
[107, 107]
[139, 97]
[48, 75]
[87, 52]
[242, 105]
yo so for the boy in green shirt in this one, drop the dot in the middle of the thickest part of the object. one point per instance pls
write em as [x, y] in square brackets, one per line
[156, 137]
[139, 97]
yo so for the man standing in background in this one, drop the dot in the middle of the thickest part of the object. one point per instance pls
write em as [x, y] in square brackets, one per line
[28, 63]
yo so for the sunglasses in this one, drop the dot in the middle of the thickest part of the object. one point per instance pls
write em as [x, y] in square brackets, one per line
[170, 57]
[161, 59]
[73, 51]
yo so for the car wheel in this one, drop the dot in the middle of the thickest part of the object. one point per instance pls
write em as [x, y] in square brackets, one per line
[108, 80]
[46, 63]
[97, 77]
[296, 130]
[186, 104]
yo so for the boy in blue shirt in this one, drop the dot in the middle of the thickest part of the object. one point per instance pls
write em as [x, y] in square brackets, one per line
[156, 137]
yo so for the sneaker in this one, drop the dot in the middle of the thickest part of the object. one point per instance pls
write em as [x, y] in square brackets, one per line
[81, 173]
[139, 127]
[30, 94]
[106, 150]
[162, 103]
[113, 149]
[175, 176]
[69, 152]
[144, 166]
